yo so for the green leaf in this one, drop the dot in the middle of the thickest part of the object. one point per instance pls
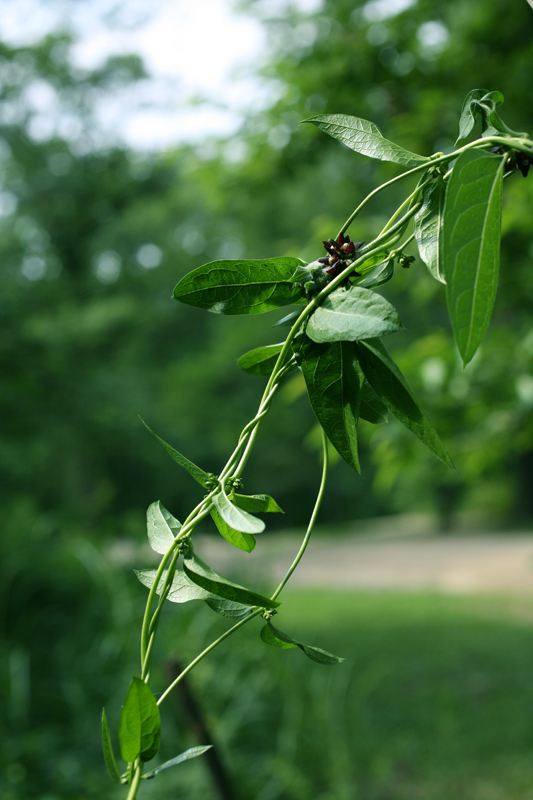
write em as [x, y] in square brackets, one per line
[162, 528]
[372, 407]
[243, 287]
[195, 472]
[227, 608]
[209, 580]
[348, 315]
[471, 245]
[286, 322]
[193, 752]
[481, 103]
[389, 383]
[381, 272]
[276, 638]
[366, 138]
[109, 756]
[428, 227]
[182, 589]
[333, 381]
[244, 541]
[256, 503]
[262, 360]
[236, 518]
[140, 723]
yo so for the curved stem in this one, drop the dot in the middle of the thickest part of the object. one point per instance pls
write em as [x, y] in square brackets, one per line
[291, 569]
[310, 527]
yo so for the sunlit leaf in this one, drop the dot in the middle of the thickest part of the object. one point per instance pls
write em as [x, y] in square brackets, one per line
[235, 517]
[262, 360]
[352, 314]
[256, 503]
[366, 138]
[140, 723]
[182, 589]
[244, 541]
[162, 527]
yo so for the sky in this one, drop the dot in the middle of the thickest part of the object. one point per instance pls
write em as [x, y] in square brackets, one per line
[194, 51]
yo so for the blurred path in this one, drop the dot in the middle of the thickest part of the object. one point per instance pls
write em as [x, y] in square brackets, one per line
[453, 563]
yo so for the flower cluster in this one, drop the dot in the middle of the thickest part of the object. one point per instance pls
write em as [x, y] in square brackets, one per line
[338, 253]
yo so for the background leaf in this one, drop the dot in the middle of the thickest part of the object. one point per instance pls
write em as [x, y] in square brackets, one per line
[352, 314]
[333, 381]
[140, 723]
[208, 579]
[162, 527]
[235, 517]
[244, 541]
[391, 386]
[243, 287]
[275, 637]
[366, 138]
[471, 245]
[428, 227]
[195, 472]
[193, 752]
[109, 756]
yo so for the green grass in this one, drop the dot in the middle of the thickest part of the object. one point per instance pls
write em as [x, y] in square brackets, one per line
[434, 701]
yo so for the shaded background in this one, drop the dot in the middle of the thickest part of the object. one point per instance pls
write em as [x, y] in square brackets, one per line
[93, 236]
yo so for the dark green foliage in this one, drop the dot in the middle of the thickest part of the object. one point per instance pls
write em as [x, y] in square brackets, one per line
[275, 637]
[140, 723]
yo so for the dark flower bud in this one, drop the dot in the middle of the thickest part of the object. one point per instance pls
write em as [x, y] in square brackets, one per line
[324, 260]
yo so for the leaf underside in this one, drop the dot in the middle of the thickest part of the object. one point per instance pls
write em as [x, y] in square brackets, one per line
[162, 527]
[244, 541]
[235, 517]
[192, 752]
[471, 245]
[352, 314]
[366, 138]
[428, 228]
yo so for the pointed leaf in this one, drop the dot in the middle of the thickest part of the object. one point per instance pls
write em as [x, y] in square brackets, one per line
[193, 752]
[162, 528]
[109, 756]
[182, 589]
[244, 541]
[140, 723]
[195, 472]
[286, 322]
[372, 407]
[481, 103]
[208, 579]
[244, 286]
[428, 227]
[348, 315]
[276, 638]
[366, 138]
[262, 360]
[227, 608]
[235, 517]
[471, 245]
[333, 381]
[389, 383]
[257, 503]
[379, 274]
[468, 113]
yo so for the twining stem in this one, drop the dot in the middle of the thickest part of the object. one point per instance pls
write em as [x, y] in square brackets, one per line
[291, 569]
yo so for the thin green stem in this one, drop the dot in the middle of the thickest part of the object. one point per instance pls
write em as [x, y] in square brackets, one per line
[405, 203]
[134, 785]
[524, 145]
[258, 611]
[311, 525]
[206, 652]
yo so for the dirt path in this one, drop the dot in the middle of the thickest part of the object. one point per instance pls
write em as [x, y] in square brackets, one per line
[455, 563]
